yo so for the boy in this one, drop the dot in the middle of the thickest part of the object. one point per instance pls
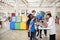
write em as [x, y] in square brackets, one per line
[32, 28]
[29, 19]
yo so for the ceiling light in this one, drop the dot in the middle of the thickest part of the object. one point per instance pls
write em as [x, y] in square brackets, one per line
[32, 0]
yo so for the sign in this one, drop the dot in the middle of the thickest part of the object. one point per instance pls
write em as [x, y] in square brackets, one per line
[14, 19]
[18, 19]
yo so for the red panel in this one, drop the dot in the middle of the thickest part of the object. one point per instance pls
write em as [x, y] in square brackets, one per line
[13, 14]
[26, 27]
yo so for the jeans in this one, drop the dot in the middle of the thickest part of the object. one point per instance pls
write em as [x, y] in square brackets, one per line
[32, 36]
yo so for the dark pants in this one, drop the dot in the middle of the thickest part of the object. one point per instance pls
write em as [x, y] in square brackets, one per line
[32, 36]
[53, 37]
[45, 32]
[28, 34]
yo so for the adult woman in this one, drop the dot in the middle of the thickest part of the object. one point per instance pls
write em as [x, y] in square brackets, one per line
[51, 25]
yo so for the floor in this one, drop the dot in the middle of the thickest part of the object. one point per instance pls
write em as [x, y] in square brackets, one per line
[21, 34]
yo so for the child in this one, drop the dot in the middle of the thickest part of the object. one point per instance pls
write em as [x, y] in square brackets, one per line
[44, 26]
[28, 21]
[32, 28]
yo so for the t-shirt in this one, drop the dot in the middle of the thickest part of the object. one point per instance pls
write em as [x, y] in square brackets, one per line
[33, 26]
[29, 16]
[28, 21]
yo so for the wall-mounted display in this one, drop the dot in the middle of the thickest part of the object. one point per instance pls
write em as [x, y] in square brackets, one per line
[18, 19]
[23, 13]
[12, 25]
[17, 25]
[23, 25]
[13, 14]
[13, 19]
[24, 18]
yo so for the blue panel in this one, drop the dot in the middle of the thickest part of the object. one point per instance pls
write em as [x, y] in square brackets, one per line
[13, 19]
[12, 25]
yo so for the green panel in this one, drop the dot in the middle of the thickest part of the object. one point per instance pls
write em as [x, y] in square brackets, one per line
[18, 19]
[17, 25]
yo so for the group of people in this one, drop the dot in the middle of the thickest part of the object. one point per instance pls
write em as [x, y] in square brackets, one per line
[34, 24]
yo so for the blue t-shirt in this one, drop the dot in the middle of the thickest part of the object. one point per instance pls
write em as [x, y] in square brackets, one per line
[33, 26]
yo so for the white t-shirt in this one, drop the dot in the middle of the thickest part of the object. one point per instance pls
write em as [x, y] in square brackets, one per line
[51, 25]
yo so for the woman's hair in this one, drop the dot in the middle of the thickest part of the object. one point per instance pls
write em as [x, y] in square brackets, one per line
[49, 14]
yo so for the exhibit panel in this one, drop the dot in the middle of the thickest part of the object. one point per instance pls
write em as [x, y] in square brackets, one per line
[17, 25]
[12, 25]
[23, 25]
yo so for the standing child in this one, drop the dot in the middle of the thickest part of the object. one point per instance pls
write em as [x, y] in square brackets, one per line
[44, 26]
[32, 28]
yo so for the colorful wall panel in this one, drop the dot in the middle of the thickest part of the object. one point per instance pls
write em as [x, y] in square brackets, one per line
[24, 18]
[17, 25]
[13, 19]
[13, 14]
[18, 22]
[12, 25]
[23, 25]
[18, 19]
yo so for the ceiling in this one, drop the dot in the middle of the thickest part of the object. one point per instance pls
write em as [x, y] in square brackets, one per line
[31, 3]
[42, 3]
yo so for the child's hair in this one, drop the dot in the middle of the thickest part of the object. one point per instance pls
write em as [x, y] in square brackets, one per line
[42, 21]
[34, 19]
[32, 16]
[49, 14]
[33, 11]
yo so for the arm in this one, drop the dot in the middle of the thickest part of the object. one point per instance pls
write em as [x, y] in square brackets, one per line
[50, 23]
[30, 27]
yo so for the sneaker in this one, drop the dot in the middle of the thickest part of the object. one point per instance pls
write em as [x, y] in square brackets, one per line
[40, 37]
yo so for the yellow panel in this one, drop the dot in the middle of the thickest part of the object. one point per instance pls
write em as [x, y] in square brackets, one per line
[24, 18]
[23, 25]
